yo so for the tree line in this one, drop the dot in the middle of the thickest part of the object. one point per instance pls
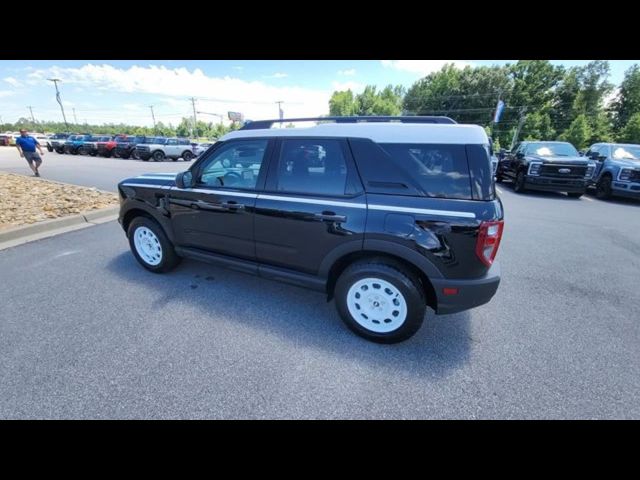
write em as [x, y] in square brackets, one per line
[543, 101]
[202, 129]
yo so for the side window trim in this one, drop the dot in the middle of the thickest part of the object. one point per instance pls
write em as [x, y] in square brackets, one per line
[198, 168]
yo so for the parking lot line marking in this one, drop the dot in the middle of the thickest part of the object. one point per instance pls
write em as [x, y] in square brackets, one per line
[588, 199]
[499, 191]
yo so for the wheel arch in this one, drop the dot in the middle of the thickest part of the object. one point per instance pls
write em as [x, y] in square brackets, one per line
[336, 262]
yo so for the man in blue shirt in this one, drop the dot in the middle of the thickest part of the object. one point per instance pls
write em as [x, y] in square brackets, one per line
[27, 147]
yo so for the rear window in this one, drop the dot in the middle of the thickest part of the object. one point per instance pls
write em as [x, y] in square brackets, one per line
[440, 170]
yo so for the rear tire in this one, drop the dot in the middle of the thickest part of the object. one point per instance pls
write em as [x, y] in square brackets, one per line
[151, 247]
[381, 302]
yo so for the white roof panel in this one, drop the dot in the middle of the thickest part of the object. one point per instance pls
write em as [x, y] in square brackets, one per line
[380, 132]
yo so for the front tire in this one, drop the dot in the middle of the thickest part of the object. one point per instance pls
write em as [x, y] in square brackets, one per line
[187, 156]
[158, 156]
[603, 188]
[381, 302]
[151, 247]
[518, 186]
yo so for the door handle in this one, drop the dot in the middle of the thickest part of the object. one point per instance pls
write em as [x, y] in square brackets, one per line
[330, 217]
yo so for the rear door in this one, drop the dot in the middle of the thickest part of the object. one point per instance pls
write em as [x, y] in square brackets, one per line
[313, 204]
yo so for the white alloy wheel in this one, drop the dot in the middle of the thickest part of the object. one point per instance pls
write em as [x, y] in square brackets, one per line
[377, 305]
[147, 245]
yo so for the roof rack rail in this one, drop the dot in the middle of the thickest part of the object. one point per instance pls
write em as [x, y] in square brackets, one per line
[259, 124]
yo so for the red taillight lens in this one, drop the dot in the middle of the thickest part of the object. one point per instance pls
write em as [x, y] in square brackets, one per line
[489, 237]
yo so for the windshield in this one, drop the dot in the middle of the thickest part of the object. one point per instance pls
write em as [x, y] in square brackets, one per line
[552, 150]
[627, 152]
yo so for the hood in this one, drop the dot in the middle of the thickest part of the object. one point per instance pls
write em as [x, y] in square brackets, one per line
[159, 179]
[626, 163]
[564, 160]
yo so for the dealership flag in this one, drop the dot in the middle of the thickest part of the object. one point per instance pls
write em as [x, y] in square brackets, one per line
[499, 109]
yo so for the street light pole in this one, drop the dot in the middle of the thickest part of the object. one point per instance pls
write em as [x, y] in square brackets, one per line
[55, 82]
[75, 119]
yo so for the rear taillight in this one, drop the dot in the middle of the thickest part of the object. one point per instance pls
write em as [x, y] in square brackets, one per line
[489, 236]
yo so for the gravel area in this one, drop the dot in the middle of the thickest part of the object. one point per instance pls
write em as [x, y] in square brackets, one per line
[25, 200]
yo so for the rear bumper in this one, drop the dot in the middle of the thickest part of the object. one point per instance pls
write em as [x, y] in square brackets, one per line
[555, 184]
[471, 293]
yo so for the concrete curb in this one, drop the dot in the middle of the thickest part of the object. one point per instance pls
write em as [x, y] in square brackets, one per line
[48, 228]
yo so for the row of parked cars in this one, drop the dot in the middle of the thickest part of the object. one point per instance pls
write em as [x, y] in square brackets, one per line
[9, 138]
[126, 146]
[613, 169]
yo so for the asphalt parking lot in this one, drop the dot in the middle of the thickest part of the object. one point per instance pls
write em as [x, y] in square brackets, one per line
[85, 332]
[99, 172]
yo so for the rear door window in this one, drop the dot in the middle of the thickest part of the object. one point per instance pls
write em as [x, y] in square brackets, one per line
[441, 170]
[313, 166]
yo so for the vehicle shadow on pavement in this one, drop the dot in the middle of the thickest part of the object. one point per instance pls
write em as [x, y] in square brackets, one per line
[295, 315]
[631, 202]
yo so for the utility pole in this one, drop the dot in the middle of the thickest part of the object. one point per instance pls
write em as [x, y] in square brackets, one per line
[520, 124]
[193, 103]
[75, 119]
[280, 112]
[55, 82]
[32, 117]
[154, 118]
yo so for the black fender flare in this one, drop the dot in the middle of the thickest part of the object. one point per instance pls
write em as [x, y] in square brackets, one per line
[154, 212]
[379, 246]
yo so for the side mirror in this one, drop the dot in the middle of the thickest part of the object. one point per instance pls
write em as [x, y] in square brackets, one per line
[594, 156]
[519, 155]
[184, 180]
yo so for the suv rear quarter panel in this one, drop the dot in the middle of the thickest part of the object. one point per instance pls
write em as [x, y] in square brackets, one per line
[444, 232]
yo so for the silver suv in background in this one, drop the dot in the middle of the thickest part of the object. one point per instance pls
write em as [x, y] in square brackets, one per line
[161, 148]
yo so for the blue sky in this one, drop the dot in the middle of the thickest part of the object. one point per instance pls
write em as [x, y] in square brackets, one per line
[114, 91]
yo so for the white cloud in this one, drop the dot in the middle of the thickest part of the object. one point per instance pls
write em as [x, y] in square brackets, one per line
[277, 75]
[355, 87]
[347, 73]
[174, 86]
[422, 67]
[14, 82]
[238, 67]
[6, 93]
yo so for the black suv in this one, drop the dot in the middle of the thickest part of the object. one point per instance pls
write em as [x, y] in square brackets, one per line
[387, 215]
[550, 166]
[126, 147]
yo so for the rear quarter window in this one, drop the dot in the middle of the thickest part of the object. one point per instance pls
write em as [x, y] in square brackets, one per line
[440, 170]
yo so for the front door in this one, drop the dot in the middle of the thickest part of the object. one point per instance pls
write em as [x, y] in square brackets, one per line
[216, 215]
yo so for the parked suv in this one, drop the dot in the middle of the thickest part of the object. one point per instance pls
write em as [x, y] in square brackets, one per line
[617, 169]
[126, 147]
[173, 148]
[56, 142]
[74, 143]
[551, 166]
[91, 146]
[388, 218]
[106, 146]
